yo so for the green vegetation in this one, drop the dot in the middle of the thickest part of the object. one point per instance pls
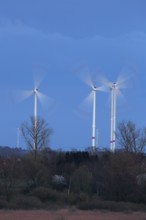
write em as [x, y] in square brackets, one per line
[63, 179]
[113, 181]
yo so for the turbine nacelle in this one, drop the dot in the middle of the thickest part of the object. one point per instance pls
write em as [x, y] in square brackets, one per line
[36, 90]
[94, 88]
[114, 86]
[99, 88]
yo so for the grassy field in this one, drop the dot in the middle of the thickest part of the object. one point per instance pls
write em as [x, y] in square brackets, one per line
[70, 215]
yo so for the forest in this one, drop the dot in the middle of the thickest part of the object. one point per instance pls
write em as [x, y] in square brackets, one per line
[102, 179]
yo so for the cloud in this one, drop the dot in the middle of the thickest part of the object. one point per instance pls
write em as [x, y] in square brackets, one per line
[32, 45]
[18, 28]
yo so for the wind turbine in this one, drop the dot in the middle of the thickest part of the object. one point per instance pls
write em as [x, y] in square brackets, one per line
[21, 95]
[92, 97]
[94, 90]
[114, 88]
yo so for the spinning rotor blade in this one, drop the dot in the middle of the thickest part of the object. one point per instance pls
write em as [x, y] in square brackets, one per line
[126, 77]
[38, 75]
[84, 75]
[118, 93]
[86, 104]
[104, 81]
[88, 81]
[101, 88]
[121, 101]
[120, 97]
[21, 95]
[89, 98]
[45, 101]
[122, 81]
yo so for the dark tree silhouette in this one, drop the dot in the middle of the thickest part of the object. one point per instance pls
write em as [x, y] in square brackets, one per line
[38, 140]
[131, 138]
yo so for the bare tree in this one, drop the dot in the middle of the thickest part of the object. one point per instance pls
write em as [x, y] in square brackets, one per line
[131, 138]
[39, 139]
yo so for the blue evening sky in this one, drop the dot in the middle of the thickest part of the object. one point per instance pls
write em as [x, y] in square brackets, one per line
[59, 36]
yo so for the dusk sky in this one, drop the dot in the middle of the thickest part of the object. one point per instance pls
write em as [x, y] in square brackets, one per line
[60, 37]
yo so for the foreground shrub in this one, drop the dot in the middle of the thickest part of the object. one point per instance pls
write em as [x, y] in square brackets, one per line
[111, 206]
[25, 202]
[82, 180]
[45, 194]
[3, 204]
[74, 198]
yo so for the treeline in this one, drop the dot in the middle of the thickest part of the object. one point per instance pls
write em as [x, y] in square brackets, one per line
[57, 179]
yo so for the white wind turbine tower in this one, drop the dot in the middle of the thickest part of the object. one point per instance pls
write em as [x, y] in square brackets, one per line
[94, 90]
[114, 88]
[92, 97]
[36, 93]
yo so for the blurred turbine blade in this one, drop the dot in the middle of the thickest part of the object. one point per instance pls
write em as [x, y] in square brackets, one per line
[89, 98]
[38, 75]
[37, 80]
[84, 75]
[122, 81]
[102, 89]
[103, 80]
[46, 102]
[118, 93]
[88, 81]
[96, 75]
[125, 78]
[121, 97]
[20, 95]
[85, 106]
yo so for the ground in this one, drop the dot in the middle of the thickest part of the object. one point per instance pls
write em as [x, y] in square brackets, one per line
[70, 215]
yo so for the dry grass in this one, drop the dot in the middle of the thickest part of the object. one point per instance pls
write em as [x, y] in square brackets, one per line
[70, 215]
